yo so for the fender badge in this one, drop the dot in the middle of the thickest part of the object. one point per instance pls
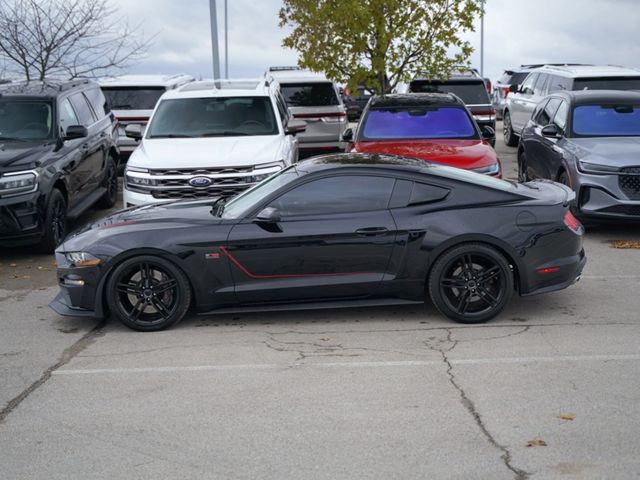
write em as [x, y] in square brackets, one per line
[211, 256]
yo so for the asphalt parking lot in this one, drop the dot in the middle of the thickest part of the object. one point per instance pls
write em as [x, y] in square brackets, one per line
[547, 390]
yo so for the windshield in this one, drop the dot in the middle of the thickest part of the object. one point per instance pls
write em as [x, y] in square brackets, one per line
[132, 98]
[213, 117]
[610, 83]
[417, 123]
[25, 120]
[471, 93]
[313, 94]
[243, 203]
[606, 121]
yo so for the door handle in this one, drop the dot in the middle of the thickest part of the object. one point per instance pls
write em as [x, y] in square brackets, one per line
[372, 231]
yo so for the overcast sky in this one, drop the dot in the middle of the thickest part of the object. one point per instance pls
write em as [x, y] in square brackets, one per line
[516, 32]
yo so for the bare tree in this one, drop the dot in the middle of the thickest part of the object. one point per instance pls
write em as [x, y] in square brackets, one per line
[67, 38]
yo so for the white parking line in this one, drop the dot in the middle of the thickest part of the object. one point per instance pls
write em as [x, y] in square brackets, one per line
[404, 363]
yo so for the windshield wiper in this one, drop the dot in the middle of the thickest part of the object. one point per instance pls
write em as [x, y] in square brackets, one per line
[12, 139]
[225, 133]
[171, 135]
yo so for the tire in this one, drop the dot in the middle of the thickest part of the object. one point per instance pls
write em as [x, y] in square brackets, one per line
[110, 182]
[456, 287]
[55, 222]
[510, 138]
[523, 175]
[563, 178]
[148, 293]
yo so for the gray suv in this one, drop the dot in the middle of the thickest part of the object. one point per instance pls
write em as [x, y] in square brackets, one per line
[548, 79]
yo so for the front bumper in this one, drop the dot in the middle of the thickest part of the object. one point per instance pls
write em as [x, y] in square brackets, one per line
[600, 197]
[78, 289]
[60, 305]
[21, 219]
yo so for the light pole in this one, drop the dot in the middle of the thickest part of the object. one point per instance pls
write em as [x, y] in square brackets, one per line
[226, 40]
[482, 38]
[214, 39]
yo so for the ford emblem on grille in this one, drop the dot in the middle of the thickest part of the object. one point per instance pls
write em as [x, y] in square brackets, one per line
[200, 182]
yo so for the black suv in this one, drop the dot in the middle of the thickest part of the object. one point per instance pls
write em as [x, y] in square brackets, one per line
[57, 158]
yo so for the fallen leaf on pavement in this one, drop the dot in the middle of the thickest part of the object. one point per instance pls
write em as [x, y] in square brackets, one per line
[13, 265]
[43, 269]
[568, 416]
[536, 443]
[625, 244]
[325, 339]
[26, 277]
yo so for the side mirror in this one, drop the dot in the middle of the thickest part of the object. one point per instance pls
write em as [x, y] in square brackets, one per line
[76, 131]
[133, 130]
[295, 126]
[268, 215]
[550, 131]
[513, 88]
[347, 135]
[488, 132]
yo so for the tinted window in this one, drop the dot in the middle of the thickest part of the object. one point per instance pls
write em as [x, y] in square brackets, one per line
[606, 120]
[557, 83]
[314, 94]
[517, 78]
[423, 193]
[97, 101]
[25, 120]
[282, 108]
[541, 84]
[471, 93]
[67, 115]
[527, 86]
[82, 109]
[213, 117]
[417, 122]
[336, 195]
[132, 98]
[547, 113]
[611, 83]
[560, 119]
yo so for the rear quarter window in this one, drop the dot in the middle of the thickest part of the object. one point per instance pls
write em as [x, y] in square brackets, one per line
[310, 94]
[98, 101]
[610, 83]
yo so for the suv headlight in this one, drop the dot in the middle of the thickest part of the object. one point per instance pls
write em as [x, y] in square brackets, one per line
[138, 178]
[81, 259]
[16, 183]
[589, 167]
[492, 169]
[260, 172]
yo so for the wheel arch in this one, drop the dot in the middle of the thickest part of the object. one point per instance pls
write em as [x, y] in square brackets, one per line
[101, 304]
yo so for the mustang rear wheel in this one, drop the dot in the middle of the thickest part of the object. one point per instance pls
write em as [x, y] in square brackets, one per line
[471, 283]
[148, 293]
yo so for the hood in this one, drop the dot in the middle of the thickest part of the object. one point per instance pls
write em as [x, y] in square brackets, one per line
[456, 153]
[207, 152]
[613, 151]
[22, 154]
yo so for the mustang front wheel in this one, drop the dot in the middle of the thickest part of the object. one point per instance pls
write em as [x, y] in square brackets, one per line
[471, 283]
[148, 293]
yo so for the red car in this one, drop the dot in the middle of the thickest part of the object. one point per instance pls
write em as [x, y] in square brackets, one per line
[430, 126]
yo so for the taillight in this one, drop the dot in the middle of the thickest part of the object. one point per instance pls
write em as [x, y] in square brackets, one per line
[488, 83]
[505, 92]
[572, 222]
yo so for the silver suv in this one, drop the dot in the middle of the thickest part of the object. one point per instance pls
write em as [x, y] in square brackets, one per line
[313, 98]
[548, 79]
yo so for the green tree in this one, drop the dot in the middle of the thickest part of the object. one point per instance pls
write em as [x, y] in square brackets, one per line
[379, 43]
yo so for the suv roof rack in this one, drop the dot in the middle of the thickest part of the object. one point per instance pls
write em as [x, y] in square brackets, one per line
[283, 68]
[538, 65]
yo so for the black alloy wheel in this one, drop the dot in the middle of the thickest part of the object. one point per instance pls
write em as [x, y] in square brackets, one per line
[110, 182]
[510, 138]
[471, 283]
[523, 174]
[55, 222]
[148, 293]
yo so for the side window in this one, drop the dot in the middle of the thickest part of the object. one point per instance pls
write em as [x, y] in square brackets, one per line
[282, 108]
[557, 84]
[336, 195]
[83, 110]
[538, 112]
[541, 84]
[97, 101]
[527, 86]
[547, 113]
[560, 119]
[66, 115]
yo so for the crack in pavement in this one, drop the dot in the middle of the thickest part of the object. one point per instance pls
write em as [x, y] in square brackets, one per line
[67, 355]
[470, 406]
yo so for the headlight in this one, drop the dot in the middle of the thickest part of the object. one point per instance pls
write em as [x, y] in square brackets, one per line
[589, 167]
[81, 259]
[260, 172]
[138, 177]
[16, 183]
[489, 169]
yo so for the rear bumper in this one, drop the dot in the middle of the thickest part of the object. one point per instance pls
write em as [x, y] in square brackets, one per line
[568, 274]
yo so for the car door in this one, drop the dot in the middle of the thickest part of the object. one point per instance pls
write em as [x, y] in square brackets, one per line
[334, 239]
[519, 103]
[71, 152]
[551, 151]
[91, 147]
[537, 145]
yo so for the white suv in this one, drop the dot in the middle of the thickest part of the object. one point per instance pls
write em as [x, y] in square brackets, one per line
[132, 98]
[211, 139]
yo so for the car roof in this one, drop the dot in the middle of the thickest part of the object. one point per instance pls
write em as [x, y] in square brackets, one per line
[578, 71]
[153, 80]
[295, 75]
[245, 87]
[581, 97]
[46, 88]
[414, 99]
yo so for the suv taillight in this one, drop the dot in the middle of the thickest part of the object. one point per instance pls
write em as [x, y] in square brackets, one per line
[488, 83]
[572, 222]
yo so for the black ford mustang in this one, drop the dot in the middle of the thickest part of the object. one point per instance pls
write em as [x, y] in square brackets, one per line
[337, 230]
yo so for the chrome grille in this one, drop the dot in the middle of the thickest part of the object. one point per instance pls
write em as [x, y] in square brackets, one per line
[630, 183]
